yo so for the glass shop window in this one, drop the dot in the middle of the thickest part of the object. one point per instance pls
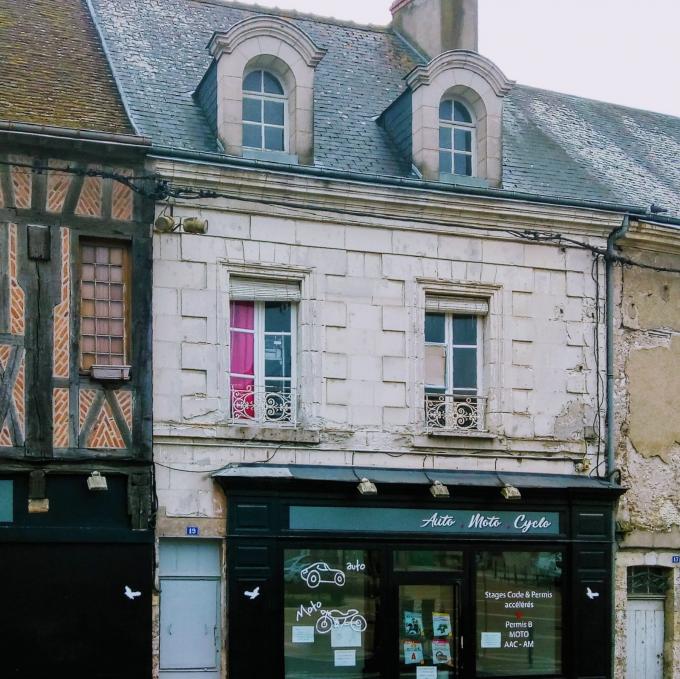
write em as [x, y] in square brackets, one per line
[330, 605]
[519, 613]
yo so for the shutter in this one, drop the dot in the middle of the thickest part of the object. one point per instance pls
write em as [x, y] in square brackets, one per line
[253, 289]
[457, 305]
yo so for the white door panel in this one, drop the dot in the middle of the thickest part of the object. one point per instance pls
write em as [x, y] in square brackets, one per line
[645, 635]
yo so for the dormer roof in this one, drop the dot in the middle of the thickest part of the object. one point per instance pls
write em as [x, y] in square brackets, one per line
[554, 144]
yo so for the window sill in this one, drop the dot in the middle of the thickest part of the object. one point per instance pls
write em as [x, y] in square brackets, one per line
[268, 432]
[463, 434]
[110, 373]
[463, 180]
[271, 156]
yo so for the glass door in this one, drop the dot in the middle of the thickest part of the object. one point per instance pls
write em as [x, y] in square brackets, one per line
[429, 630]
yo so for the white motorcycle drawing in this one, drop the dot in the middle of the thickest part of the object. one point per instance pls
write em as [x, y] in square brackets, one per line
[334, 618]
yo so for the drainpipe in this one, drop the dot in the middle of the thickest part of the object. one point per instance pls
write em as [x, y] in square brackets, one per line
[615, 235]
[610, 451]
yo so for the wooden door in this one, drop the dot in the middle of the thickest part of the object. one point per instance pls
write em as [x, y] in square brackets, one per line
[645, 634]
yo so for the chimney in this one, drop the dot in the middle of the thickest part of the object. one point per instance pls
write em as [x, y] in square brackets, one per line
[436, 26]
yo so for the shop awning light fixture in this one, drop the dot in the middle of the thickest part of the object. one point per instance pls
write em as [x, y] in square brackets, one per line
[510, 492]
[367, 487]
[439, 490]
[95, 481]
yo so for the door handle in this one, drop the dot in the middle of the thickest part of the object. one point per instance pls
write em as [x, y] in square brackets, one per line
[170, 629]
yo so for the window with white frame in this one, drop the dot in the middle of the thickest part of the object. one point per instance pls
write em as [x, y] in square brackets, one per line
[262, 361]
[454, 396]
[456, 138]
[264, 112]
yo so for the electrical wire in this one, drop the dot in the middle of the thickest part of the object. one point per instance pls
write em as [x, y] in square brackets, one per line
[163, 191]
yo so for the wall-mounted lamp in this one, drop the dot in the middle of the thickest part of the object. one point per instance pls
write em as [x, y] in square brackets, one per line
[165, 222]
[38, 503]
[510, 492]
[195, 225]
[439, 490]
[95, 481]
[367, 487]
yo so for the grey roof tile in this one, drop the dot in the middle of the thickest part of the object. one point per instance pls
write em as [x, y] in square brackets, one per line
[554, 144]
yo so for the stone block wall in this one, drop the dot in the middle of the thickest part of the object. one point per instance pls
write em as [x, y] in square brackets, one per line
[360, 348]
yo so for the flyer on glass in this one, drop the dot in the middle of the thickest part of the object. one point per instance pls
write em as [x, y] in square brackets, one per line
[441, 651]
[441, 624]
[413, 652]
[413, 623]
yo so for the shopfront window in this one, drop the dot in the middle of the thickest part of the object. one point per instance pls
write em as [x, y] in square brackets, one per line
[519, 613]
[330, 600]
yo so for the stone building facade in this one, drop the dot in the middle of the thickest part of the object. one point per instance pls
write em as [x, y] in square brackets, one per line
[379, 344]
[648, 379]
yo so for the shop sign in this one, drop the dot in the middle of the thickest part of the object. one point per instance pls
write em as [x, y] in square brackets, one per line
[426, 521]
[6, 502]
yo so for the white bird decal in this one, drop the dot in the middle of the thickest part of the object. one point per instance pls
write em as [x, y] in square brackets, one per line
[590, 594]
[254, 594]
[130, 594]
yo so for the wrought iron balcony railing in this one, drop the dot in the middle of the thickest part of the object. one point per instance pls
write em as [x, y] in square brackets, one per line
[264, 406]
[454, 413]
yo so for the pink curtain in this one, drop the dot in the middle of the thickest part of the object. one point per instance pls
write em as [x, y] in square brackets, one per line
[242, 358]
[243, 315]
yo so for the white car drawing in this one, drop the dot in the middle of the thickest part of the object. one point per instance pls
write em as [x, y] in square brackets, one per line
[319, 572]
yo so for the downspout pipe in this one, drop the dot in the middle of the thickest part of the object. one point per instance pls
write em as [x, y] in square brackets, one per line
[611, 469]
[614, 236]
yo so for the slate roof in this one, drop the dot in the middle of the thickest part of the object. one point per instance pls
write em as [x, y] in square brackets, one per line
[53, 69]
[554, 144]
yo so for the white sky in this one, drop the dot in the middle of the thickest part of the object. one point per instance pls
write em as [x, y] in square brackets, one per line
[622, 51]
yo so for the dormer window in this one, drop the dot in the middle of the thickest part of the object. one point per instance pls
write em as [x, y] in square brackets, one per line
[456, 138]
[456, 118]
[264, 76]
[264, 112]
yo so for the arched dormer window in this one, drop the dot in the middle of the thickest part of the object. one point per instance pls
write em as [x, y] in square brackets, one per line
[278, 48]
[456, 138]
[458, 76]
[264, 112]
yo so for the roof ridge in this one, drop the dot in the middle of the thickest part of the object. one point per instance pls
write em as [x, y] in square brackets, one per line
[597, 101]
[294, 14]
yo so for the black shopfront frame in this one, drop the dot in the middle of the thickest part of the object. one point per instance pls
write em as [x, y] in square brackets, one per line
[258, 532]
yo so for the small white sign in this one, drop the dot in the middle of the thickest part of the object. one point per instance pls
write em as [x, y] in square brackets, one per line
[491, 640]
[303, 634]
[345, 637]
[426, 672]
[345, 658]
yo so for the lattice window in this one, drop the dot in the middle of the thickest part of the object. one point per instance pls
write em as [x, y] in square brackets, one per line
[647, 580]
[104, 304]
[264, 112]
[456, 138]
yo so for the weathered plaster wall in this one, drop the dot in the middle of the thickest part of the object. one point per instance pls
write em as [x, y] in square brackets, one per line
[630, 558]
[648, 427]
